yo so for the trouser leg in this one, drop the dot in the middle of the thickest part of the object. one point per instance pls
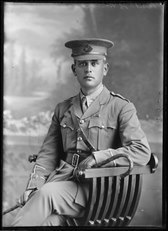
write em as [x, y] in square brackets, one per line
[55, 220]
[53, 198]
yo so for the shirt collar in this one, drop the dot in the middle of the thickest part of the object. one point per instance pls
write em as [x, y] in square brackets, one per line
[90, 98]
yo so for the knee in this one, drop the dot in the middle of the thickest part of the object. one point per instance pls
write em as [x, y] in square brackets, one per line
[51, 189]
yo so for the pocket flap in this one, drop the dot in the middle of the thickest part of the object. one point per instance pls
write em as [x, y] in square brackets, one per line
[96, 122]
[101, 123]
[67, 122]
[111, 124]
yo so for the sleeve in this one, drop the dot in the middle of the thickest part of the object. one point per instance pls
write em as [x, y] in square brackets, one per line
[133, 140]
[48, 156]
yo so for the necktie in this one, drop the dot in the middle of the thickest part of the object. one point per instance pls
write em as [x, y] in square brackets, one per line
[84, 104]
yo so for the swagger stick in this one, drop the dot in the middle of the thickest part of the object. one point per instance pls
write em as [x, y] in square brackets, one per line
[12, 208]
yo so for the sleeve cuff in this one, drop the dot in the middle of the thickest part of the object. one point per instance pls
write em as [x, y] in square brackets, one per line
[112, 154]
[103, 155]
[37, 178]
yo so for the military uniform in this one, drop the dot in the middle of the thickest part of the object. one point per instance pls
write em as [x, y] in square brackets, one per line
[111, 126]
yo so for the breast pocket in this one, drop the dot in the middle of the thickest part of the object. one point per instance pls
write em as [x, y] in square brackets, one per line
[102, 132]
[67, 131]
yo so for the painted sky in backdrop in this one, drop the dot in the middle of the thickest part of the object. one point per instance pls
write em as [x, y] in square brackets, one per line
[36, 26]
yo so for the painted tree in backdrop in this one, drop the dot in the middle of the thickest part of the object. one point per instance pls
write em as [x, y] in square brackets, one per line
[135, 60]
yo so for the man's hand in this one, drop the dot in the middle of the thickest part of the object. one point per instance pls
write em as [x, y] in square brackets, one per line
[24, 197]
[87, 163]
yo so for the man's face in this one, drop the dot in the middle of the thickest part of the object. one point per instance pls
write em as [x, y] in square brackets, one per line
[90, 72]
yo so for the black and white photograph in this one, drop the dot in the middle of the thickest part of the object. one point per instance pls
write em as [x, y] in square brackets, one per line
[83, 115]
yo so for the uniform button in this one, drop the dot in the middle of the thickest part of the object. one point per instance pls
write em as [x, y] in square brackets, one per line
[64, 125]
[79, 138]
[81, 121]
[102, 126]
[35, 176]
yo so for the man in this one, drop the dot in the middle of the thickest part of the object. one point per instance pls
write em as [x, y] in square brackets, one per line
[105, 120]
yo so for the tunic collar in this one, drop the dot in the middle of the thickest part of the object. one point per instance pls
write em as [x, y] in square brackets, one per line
[94, 108]
[90, 98]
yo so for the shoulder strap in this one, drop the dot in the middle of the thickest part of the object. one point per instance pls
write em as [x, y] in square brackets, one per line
[118, 95]
[86, 141]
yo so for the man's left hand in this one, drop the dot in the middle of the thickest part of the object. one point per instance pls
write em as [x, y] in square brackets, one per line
[87, 163]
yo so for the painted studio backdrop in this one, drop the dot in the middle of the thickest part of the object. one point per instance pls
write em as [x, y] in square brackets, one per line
[37, 75]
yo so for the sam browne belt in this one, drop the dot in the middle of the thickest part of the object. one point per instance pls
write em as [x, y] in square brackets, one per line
[74, 157]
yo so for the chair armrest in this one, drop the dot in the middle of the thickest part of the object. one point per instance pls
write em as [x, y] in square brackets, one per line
[96, 171]
[153, 162]
[117, 171]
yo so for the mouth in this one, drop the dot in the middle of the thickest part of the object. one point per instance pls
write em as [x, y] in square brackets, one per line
[88, 77]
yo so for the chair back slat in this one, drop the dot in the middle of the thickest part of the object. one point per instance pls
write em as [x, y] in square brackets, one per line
[121, 200]
[115, 195]
[99, 198]
[122, 196]
[128, 201]
[135, 201]
[130, 195]
[91, 200]
[107, 197]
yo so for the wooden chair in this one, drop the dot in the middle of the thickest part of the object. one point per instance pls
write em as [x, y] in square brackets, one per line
[114, 193]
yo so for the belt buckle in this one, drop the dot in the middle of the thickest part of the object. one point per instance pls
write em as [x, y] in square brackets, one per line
[75, 160]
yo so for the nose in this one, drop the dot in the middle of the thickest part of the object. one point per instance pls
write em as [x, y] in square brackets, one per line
[88, 68]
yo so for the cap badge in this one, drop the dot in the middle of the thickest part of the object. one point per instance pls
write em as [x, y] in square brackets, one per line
[87, 48]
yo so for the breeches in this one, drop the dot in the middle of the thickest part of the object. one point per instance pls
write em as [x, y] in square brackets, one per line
[49, 204]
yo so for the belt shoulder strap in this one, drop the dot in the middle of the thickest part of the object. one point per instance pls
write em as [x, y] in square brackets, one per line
[78, 128]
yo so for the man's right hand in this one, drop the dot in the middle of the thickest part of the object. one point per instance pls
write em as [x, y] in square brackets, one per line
[24, 197]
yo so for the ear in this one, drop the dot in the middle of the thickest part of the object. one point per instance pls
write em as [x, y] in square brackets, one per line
[106, 68]
[73, 69]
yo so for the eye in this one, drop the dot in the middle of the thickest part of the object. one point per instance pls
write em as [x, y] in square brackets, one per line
[82, 64]
[94, 63]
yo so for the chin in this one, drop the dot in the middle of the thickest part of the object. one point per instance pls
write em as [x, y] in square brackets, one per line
[89, 86]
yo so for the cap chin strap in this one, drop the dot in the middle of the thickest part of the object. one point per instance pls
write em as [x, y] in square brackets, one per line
[93, 53]
[89, 57]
